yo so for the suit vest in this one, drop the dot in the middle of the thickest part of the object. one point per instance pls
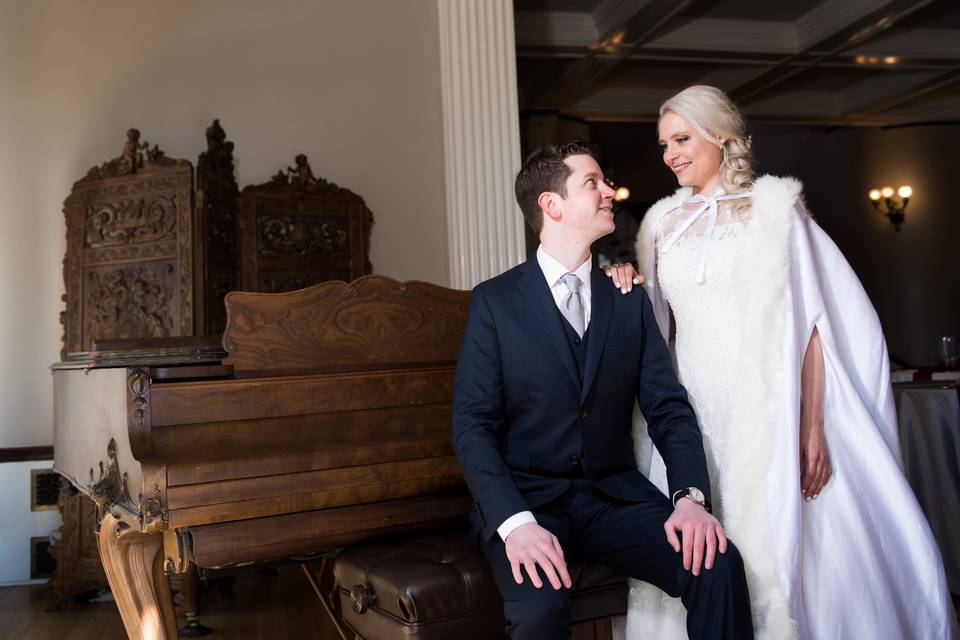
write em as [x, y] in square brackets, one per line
[577, 345]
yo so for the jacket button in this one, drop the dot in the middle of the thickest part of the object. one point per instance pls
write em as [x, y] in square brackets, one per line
[574, 460]
[584, 414]
[576, 340]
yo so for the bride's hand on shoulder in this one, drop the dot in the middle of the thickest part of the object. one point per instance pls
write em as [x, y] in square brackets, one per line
[624, 276]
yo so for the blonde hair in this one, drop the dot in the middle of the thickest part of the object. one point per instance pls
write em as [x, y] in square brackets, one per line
[715, 116]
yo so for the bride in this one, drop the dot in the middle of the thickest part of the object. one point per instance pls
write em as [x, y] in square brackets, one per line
[786, 366]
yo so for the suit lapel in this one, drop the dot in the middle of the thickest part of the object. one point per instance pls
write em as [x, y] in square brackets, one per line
[601, 311]
[537, 293]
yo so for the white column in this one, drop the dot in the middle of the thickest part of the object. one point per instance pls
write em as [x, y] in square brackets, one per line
[481, 138]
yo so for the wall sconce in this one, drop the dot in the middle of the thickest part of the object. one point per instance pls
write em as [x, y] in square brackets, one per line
[895, 208]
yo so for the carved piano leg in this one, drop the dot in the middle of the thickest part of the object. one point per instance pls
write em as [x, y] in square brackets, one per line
[133, 564]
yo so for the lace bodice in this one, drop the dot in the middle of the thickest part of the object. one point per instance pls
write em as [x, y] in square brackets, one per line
[708, 335]
[708, 341]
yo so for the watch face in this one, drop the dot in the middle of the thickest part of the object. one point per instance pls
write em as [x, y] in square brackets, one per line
[697, 495]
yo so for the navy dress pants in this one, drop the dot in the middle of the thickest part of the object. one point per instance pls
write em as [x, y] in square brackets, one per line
[629, 538]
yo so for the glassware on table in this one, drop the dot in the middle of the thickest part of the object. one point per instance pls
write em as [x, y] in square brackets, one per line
[949, 351]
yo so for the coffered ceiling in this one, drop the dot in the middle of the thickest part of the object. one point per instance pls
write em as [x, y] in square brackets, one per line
[830, 62]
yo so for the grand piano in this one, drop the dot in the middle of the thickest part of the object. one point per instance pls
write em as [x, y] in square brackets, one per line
[322, 419]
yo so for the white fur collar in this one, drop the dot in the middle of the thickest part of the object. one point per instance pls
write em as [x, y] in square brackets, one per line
[771, 194]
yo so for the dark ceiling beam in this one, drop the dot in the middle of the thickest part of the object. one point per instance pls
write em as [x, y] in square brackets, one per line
[630, 23]
[829, 123]
[534, 78]
[737, 58]
[639, 25]
[919, 90]
[854, 35]
[610, 15]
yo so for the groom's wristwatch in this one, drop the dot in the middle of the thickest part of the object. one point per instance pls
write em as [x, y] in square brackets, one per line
[693, 494]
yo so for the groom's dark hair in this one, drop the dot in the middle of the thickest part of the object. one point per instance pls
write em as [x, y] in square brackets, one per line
[544, 170]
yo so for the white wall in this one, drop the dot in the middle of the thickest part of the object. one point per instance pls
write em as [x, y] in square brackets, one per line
[18, 523]
[355, 84]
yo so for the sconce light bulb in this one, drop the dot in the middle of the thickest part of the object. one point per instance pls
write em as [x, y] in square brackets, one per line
[887, 192]
[874, 194]
[905, 191]
[622, 194]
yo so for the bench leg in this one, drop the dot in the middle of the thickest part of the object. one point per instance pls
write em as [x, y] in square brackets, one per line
[312, 579]
[596, 630]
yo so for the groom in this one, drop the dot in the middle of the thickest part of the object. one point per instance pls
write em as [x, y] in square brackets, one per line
[550, 367]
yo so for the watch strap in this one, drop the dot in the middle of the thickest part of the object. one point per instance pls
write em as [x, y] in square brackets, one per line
[687, 493]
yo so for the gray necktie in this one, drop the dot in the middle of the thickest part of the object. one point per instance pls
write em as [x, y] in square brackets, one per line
[572, 305]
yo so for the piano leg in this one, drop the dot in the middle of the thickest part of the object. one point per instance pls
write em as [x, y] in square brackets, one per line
[133, 562]
[186, 599]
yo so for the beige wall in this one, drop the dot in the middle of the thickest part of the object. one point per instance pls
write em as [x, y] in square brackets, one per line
[355, 84]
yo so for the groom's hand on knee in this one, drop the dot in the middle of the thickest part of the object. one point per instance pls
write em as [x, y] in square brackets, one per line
[701, 535]
[530, 545]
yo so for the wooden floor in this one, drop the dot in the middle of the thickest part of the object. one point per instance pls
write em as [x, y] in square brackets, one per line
[256, 607]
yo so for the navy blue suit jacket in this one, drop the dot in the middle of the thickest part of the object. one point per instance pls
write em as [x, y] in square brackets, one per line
[524, 424]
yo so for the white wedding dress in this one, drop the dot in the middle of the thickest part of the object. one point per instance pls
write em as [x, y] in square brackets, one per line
[708, 342]
[745, 290]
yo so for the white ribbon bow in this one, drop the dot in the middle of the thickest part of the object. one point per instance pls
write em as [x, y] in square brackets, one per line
[708, 204]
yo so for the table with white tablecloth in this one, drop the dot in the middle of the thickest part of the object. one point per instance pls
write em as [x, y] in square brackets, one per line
[929, 421]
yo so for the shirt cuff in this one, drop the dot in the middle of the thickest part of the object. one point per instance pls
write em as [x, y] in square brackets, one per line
[513, 522]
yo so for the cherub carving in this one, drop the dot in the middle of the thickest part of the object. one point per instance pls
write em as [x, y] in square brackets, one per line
[301, 175]
[131, 160]
[135, 156]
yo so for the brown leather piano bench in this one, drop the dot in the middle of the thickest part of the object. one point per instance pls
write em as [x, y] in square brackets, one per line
[438, 586]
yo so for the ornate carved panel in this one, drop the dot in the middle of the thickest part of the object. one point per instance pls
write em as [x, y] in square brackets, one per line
[129, 269]
[131, 301]
[125, 222]
[149, 257]
[302, 236]
[275, 281]
[78, 558]
[298, 230]
[218, 216]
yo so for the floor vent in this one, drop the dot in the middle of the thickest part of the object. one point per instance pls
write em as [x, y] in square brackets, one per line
[44, 489]
[42, 564]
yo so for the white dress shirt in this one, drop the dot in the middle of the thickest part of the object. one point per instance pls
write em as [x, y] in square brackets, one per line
[553, 271]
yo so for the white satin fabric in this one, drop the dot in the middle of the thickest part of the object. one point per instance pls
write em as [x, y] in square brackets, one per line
[859, 561]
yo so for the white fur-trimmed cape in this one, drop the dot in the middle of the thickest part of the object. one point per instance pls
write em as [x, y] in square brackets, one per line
[816, 570]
